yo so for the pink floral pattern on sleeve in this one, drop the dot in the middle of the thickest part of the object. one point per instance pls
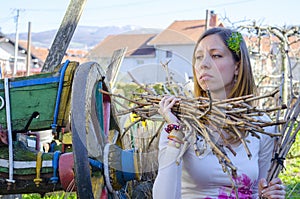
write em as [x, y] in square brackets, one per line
[244, 185]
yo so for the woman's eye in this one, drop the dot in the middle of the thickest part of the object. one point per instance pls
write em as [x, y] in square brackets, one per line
[216, 56]
[199, 57]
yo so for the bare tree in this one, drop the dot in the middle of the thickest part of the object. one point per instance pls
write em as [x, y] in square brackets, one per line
[278, 46]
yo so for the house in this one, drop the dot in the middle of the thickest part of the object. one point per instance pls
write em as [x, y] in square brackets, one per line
[136, 45]
[177, 42]
[147, 53]
[77, 55]
[7, 59]
[266, 55]
[38, 57]
[41, 54]
[138, 52]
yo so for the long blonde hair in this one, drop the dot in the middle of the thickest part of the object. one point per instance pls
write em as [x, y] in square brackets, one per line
[245, 84]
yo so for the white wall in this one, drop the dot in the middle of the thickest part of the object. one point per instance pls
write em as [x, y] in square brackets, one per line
[150, 69]
[134, 61]
[149, 73]
[181, 60]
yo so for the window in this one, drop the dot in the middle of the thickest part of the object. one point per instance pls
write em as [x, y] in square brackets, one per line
[169, 54]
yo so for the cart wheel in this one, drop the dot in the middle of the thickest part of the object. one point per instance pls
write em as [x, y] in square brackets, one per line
[90, 117]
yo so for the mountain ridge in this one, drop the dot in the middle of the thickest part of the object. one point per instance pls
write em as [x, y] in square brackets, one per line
[85, 37]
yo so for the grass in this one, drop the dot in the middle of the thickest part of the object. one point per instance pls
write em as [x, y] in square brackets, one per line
[54, 195]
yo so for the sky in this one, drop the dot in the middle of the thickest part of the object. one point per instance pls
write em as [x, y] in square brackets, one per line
[48, 14]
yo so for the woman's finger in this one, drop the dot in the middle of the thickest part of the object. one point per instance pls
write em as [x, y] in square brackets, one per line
[275, 189]
[274, 194]
[168, 102]
[275, 181]
[171, 102]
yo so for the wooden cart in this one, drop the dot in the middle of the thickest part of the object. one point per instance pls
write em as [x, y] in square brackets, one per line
[67, 103]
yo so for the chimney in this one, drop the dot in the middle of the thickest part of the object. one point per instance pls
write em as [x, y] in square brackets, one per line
[213, 20]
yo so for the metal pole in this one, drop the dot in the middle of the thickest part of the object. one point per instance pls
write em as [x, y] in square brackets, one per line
[10, 179]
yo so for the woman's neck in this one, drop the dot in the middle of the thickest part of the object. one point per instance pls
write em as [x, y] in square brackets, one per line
[221, 94]
[218, 95]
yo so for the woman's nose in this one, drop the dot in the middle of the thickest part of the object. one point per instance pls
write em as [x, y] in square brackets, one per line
[204, 63]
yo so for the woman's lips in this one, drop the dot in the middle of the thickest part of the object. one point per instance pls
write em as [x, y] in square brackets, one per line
[205, 77]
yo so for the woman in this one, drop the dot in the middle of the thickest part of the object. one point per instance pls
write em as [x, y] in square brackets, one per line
[221, 65]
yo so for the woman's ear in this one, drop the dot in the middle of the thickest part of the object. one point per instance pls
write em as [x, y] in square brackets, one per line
[237, 67]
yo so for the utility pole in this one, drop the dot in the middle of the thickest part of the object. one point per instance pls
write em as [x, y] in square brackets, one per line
[16, 43]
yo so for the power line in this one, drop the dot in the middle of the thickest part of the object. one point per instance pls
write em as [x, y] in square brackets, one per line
[122, 5]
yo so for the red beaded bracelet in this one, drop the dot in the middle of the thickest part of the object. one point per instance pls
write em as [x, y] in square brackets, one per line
[171, 127]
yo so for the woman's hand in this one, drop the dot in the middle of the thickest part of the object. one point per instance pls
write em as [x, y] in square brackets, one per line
[165, 106]
[274, 190]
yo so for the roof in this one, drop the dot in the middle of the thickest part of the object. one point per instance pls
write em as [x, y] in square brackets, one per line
[267, 41]
[181, 32]
[136, 45]
[42, 53]
[75, 55]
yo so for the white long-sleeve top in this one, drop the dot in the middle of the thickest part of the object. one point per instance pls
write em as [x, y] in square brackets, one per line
[203, 177]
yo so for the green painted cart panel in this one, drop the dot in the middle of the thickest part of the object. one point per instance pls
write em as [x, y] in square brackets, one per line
[37, 93]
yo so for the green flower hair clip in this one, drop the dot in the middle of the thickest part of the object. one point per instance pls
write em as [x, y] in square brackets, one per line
[234, 42]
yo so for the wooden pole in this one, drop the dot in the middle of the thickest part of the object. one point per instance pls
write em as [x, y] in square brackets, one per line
[285, 70]
[28, 57]
[64, 35]
[16, 45]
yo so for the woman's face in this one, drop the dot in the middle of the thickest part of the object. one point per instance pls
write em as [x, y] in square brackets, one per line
[215, 67]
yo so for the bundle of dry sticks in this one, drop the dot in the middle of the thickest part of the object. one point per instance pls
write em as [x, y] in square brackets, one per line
[206, 117]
